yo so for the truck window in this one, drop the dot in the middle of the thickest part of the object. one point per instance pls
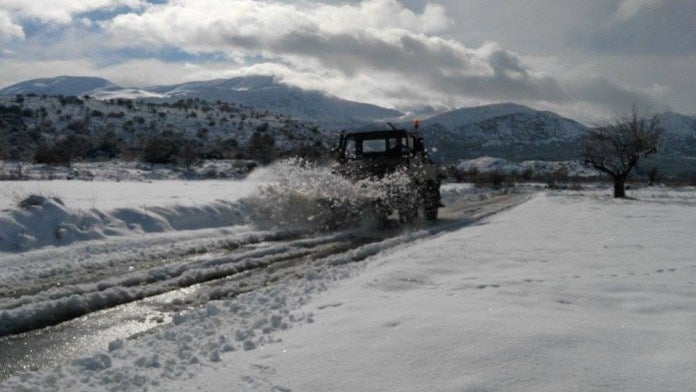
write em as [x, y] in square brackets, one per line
[373, 145]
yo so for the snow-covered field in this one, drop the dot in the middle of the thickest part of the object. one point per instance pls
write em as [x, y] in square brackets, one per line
[570, 291]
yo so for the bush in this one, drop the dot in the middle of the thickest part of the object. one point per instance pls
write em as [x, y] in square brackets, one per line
[161, 149]
[494, 179]
[261, 147]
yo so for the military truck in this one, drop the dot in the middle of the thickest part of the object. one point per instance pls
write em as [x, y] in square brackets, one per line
[375, 154]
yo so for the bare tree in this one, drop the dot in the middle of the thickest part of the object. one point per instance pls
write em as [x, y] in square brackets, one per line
[616, 146]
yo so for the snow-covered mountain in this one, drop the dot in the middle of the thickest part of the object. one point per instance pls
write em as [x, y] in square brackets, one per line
[471, 115]
[264, 92]
[518, 133]
[680, 135]
[507, 130]
[259, 92]
[510, 131]
[676, 153]
[61, 85]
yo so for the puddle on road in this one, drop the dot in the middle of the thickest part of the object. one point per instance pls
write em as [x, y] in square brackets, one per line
[54, 345]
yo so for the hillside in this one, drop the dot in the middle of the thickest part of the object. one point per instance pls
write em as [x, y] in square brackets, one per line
[61, 129]
[508, 131]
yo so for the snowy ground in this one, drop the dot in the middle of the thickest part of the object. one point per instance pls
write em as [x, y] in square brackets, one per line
[570, 291]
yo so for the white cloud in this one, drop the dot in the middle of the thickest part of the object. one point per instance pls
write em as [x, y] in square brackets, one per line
[8, 28]
[210, 25]
[62, 11]
[371, 37]
[629, 8]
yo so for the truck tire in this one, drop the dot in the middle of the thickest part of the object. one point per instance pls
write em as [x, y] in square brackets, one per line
[431, 213]
[431, 202]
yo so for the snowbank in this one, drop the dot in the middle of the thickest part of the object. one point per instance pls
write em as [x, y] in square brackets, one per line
[45, 221]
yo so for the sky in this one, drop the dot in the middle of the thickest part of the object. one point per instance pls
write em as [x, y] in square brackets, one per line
[584, 59]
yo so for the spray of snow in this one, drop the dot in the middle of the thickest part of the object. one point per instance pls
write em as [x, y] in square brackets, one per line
[301, 194]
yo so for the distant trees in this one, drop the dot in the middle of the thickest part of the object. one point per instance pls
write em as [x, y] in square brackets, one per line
[616, 146]
[64, 150]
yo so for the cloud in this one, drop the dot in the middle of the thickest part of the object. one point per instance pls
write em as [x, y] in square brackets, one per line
[629, 8]
[376, 51]
[62, 12]
[374, 36]
[650, 27]
[8, 28]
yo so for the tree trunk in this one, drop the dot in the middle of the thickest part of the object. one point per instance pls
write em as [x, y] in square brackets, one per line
[619, 186]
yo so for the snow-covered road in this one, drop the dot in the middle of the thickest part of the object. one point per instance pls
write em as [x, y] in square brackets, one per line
[570, 291]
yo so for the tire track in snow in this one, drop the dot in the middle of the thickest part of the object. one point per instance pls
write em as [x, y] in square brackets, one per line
[55, 306]
[247, 268]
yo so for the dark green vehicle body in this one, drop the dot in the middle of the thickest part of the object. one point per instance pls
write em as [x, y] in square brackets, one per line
[376, 154]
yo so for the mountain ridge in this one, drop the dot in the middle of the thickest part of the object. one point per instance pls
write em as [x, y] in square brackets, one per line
[258, 91]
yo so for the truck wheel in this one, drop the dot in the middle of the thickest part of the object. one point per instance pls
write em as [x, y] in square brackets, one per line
[431, 213]
[431, 205]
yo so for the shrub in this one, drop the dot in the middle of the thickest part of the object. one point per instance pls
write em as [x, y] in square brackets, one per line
[162, 149]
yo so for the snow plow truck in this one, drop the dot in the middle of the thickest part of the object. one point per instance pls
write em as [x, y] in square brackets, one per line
[381, 154]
